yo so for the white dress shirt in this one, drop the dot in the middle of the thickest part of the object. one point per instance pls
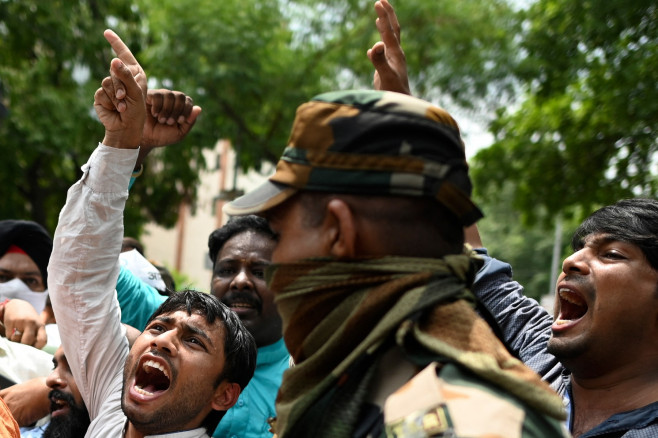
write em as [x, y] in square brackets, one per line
[82, 275]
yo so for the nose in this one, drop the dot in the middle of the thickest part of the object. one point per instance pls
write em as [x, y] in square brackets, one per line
[55, 381]
[242, 281]
[167, 342]
[576, 263]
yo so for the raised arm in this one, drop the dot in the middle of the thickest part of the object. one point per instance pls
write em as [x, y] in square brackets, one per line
[84, 264]
[525, 325]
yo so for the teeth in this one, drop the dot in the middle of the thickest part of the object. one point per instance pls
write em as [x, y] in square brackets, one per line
[142, 391]
[240, 305]
[568, 295]
[153, 364]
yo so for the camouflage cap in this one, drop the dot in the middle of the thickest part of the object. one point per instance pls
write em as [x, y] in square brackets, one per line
[366, 142]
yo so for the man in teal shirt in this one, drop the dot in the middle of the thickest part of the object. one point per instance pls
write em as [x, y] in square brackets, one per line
[240, 251]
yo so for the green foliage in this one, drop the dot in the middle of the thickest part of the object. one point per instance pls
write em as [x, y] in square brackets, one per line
[248, 63]
[183, 281]
[585, 134]
[460, 53]
[528, 248]
[48, 52]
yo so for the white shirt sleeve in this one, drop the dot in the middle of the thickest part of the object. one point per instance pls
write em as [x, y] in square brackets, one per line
[83, 271]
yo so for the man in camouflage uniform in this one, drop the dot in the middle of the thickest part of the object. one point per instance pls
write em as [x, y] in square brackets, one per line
[371, 279]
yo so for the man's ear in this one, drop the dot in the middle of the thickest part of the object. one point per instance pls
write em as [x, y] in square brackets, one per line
[342, 224]
[226, 395]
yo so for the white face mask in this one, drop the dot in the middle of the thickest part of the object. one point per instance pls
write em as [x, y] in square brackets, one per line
[17, 289]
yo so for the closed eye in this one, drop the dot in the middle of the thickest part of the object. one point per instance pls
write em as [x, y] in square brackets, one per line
[614, 255]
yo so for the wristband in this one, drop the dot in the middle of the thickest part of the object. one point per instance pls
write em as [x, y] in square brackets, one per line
[137, 173]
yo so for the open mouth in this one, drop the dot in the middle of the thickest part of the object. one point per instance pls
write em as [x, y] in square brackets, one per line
[241, 305]
[152, 378]
[572, 306]
[242, 302]
[58, 407]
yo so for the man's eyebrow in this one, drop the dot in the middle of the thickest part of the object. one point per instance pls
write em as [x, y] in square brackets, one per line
[11, 271]
[165, 319]
[197, 331]
[186, 327]
[228, 260]
[601, 239]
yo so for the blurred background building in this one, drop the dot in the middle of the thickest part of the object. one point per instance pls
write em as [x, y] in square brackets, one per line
[184, 248]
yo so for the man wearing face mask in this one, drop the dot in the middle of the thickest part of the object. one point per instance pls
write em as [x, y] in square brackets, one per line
[25, 247]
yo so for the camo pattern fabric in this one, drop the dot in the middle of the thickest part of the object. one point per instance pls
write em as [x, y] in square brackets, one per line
[444, 400]
[336, 315]
[370, 143]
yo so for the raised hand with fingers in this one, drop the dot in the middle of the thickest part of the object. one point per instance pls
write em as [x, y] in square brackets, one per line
[126, 56]
[121, 101]
[170, 116]
[387, 55]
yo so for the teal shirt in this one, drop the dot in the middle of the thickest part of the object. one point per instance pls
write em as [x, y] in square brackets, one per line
[137, 299]
[248, 417]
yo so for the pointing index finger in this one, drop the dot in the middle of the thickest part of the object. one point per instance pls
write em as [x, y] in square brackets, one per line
[119, 47]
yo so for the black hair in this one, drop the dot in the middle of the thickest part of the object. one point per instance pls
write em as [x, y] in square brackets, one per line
[394, 215]
[239, 344]
[130, 243]
[237, 225]
[630, 220]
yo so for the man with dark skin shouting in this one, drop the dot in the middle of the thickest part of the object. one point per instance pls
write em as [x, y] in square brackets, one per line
[195, 356]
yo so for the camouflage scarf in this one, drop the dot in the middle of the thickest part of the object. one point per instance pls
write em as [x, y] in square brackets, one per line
[336, 315]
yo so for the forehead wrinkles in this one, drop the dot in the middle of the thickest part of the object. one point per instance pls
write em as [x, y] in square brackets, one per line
[596, 239]
[247, 245]
[19, 263]
[194, 323]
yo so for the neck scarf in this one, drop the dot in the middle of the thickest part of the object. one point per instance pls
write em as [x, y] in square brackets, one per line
[335, 314]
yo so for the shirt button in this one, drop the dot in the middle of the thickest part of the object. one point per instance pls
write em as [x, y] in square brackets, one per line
[240, 403]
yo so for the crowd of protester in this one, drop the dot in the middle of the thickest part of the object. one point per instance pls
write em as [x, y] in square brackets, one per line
[351, 294]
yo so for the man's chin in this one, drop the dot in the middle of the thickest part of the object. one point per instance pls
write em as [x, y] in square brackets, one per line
[72, 425]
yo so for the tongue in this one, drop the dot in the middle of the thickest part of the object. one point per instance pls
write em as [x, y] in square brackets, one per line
[150, 388]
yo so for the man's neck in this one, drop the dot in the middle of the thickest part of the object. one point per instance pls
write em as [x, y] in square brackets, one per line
[131, 432]
[597, 399]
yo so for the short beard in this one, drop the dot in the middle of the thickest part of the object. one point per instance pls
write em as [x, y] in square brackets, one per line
[72, 425]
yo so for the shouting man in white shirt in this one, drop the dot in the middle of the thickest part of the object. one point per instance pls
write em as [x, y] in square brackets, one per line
[195, 356]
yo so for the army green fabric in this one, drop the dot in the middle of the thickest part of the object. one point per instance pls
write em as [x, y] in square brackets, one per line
[370, 143]
[336, 315]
